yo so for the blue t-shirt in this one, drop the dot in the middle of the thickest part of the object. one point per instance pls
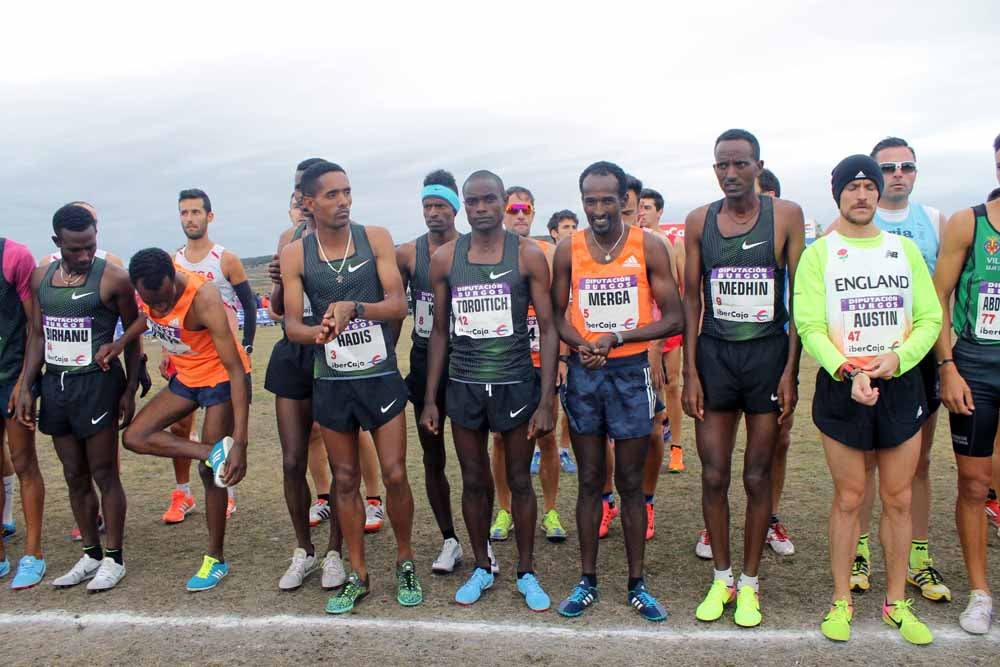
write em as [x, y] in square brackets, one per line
[916, 222]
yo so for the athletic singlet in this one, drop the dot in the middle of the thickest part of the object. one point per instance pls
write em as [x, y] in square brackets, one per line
[489, 317]
[193, 353]
[12, 323]
[918, 223]
[98, 254]
[610, 297]
[307, 312]
[75, 322]
[977, 297]
[743, 286]
[210, 267]
[421, 294]
[534, 332]
[365, 348]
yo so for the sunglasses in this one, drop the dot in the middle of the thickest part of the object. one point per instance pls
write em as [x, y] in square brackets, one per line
[514, 209]
[907, 167]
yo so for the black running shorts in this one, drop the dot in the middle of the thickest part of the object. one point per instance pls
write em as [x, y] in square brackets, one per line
[979, 366]
[416, 381]
[932, 383]
[367, 403]
[80, 405]
[497, 408]
[741, 375]
[290, 370]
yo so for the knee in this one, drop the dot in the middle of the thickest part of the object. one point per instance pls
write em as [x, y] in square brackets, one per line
[77, 480]
[714, 478]
[134, 440]
[105, 476]
[520, 484]
[783, 444]
[896, 499]
[590, 480]
[756, 477]
[207, 474]
[973, 488]
[293, 467]
[394, 476]
[849, 499]
[347, 480]
[25, 463]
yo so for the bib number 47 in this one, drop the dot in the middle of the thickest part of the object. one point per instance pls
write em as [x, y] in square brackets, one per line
[854, 336]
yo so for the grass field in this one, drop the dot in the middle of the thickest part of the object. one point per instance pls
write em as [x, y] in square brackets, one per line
[151, 619]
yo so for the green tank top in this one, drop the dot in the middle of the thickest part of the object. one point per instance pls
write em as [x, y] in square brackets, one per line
[307, 314]
[421, 294]
[12, 327]
[75, 322]
[976, 316]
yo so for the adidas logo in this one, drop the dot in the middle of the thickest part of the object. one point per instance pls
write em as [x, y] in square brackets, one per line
[861, 174]
[631, 262]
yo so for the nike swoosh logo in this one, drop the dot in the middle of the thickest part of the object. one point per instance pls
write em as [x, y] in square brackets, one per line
[752, 245]
[494, 276]
[773, 397]
[76, 296]
[386, 408]
[514, 413]
[94, 421]
[352, 269]
[898, 624]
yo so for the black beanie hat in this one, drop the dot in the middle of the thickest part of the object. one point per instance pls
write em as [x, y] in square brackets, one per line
[851, 169]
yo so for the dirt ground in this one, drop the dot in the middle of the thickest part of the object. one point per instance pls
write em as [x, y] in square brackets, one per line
[150, 619]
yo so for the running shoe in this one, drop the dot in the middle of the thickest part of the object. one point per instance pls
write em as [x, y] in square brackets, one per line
[180, 505]
[374, 516]
[703, 547]
[778, 540]
[992, 513]
[30, 571]
[209, 575]
[554, 532]
[536, 462]
[978, 614]
[230, 506]
[900, 615]
[302, 566]
[319, 512]
[929, 581]
[608, 514]
[217, 459]
[333, 571]
[859, 574]
[645, 604]
[107, 576]
[836, 624]
[566, 462]
[84, 569]
[9, 530]
[354, 592]
[676, 464]
[472, 590]
[650, 521]
[4, 567]
[500, 530]
[408, 591]
[494, 563]
[534, 596]
[77, 537]
[578, 600]
[719, 595]
[747, 613]
[450, 556]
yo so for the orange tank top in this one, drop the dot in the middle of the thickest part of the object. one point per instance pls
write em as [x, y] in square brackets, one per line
[192, 352]
[534, 333]
[611, 297]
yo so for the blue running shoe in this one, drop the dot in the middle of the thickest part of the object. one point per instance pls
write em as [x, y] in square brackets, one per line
[579, 599]
[30, 571]
[9, 530]
[536, 462]
[217, 459]
[211, 573]
[646, 604]
[4, 568]
[472, 590]
[566, 462]
[534, 596]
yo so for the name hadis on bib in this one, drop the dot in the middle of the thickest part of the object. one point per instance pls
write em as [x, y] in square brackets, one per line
[361, 345]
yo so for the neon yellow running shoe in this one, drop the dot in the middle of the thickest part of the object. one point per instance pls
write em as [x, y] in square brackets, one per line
[900, 615]
[859, 574]
[747, 608]
[929, 581]
[719, 595]
[500, 530]
[554, 531]
[837, 624]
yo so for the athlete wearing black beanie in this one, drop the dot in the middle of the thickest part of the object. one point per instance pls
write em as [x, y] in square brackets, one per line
[851, 169]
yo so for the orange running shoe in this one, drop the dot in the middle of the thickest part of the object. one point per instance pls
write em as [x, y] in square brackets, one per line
[230, 506]
[676, 459]
[608, 514]
[180, 505]
[993, 513]
[650, 521]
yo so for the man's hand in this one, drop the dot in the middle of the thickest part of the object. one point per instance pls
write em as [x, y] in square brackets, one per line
[883, 366]
[429, 418]
[236, 464]
[274, 270]
[145, 382]
[788, 396]
[126, 409]
[12, 401]
[541, 421]
[25, 409]
[603, 344]
[955, 392]
[862, 391]
[693, 398]
[656, 373]
[561, 372]
[337, 316]
[165, 367]
[106, 353]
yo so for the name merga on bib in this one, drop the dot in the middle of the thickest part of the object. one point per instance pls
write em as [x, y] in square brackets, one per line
[743, 293]
[609, 303]
[361, 345]
[482, 311]
[67, 340]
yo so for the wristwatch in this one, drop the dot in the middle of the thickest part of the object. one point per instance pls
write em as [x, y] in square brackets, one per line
[248, 348]
[848, 371]
[618, 339]
[359, 310]
[945, 361]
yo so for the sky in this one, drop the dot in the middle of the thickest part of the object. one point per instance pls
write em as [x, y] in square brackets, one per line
[123, 106]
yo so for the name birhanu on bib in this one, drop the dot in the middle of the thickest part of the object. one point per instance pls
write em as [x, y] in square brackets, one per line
[67, 340]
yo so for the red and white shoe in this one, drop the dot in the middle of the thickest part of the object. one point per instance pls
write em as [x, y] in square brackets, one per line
[374, 516]
[319, 512]
[703, 548]
[778, 540]
[230, 506]
[993, 513]
[608, 514]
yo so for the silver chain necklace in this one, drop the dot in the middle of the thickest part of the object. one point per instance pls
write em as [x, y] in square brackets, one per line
[608, 251]
[347, 249]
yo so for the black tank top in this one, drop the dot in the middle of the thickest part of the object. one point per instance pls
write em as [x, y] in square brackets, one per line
[307, 314]
[489, 317]
[12, 327]
[421, 294]
[743, 287]
[365, 348]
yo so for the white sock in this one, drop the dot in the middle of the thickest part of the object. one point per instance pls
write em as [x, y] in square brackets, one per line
[232, 492]
[725, 575]
[8, 504]
[749, 581]
[186, 488]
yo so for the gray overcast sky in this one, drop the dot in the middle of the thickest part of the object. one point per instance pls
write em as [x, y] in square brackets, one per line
[124, 106]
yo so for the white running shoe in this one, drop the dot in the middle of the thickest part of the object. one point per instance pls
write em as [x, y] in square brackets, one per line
[302, 566]
[978, 614]
[778, 540]
[374, 516]
[319, 512]
[703, 549]
[107, 577]
[84, 569]
[450, 556]
[333, 571]
[494, 565]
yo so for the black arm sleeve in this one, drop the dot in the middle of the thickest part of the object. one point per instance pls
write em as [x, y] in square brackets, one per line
[249, 303]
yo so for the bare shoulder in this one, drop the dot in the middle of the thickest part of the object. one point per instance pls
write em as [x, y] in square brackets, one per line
[787, 209]
[694, 221]
[379, 235]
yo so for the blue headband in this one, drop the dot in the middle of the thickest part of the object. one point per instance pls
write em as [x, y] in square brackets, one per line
[444, 193]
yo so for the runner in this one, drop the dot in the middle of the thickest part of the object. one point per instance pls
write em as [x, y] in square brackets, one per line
[355, 365]
[630, 209]
[738, 251]
[440, 203]
[111, 258]
[859, 292]
[77, 302]
[16, 267]
[561, 225]
[609, 277]
[483, 283]
[968, 269]
[187, 315]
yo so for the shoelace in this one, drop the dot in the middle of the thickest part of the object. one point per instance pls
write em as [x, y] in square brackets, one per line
[928, 575]
[408, 578]
[579, 594]
[860, 565]
[842, 607]
[351, 590]
[645, 599]
[904, 608]
[779, 532]
[206, 568]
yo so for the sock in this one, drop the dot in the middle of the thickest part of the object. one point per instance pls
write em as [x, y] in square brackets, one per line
[863, 547]
[94, 552]
[749, 581]
[725, 575]
[609, 498]
[774, 519]
[186, 488]
[115, 555]
[992, 495]
[8, 505]
[521, 574]
[231, 492]
[378, 498]
[591, 579]
[449, 534]
[323, 496]
[633, 582]
[920, 553]
[650, 499]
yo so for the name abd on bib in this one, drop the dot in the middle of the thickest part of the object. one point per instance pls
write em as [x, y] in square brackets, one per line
[482, 310]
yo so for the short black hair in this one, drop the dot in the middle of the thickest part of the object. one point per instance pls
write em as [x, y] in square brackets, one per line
[195, 193]
[995, 194]
[737, 135]
[308, 162]
[559, 216]
[634, 184]
[72, 217]
[605, 168]
[519, 190]
[443, 178]
[892, 142]
[311, 176]
[650, 193]
[768, 182]
[151, 266]
[484, 173]
[996, 144]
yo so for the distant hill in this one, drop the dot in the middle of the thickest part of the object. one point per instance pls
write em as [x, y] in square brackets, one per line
[256, 268]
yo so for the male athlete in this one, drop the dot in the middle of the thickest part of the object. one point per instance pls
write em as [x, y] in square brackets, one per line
[630, 207]
[483, 283]
[737, 356]
[865, 309]
[608, 278]
[77, 302]
[561, 225]
[349, 274]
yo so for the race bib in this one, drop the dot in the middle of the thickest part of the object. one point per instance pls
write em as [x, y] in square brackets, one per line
[609, 304]
[872, 324]
[482, 311]
[423, 314]
[361, 345]
[743, 293]
[67, 340]
[307, 307]
[988, 311]
[169, 337]
[533, 331]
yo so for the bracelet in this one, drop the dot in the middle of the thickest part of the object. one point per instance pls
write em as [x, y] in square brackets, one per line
[945, 361]
[564, 358]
